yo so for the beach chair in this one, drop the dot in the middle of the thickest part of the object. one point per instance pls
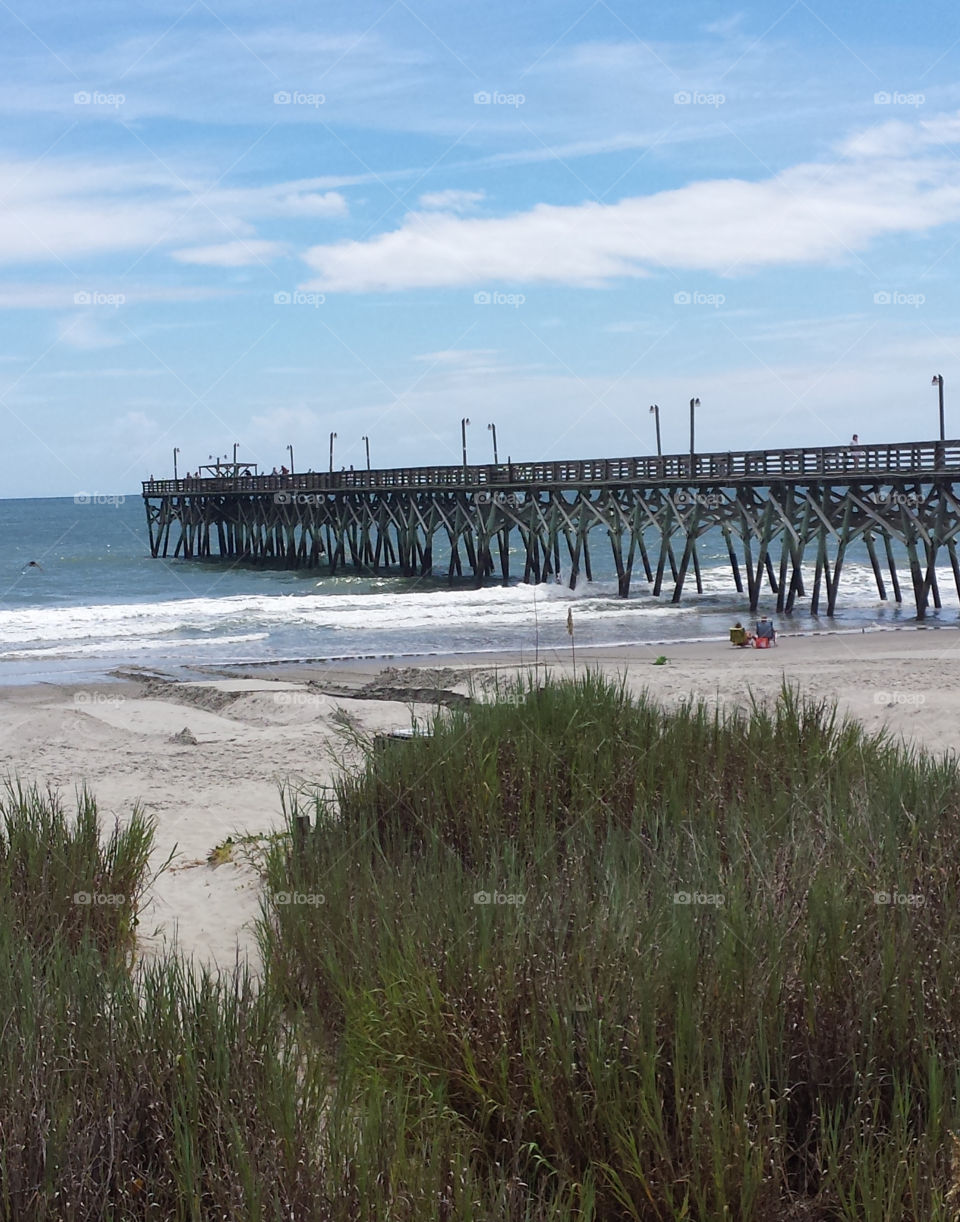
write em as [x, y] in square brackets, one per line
[738, 636]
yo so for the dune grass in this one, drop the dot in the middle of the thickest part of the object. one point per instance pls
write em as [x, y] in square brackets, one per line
[60, 883]
[159, 1092]
[565, 956]
[687, 998]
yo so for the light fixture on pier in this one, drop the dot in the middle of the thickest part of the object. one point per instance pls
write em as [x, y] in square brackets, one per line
[938, 382]
[290, 452]
[366, 442]
[493, 429]
[332, 439]
[694, 404]
[176, 451]
[655, 411]
[463, 436]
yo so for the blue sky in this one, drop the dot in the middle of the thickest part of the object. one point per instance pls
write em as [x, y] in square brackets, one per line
[232, 223]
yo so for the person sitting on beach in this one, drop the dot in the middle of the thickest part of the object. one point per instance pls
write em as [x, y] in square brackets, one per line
[740, 636]
[766, 630]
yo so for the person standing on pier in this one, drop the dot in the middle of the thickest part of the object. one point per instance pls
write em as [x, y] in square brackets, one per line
[856, 450]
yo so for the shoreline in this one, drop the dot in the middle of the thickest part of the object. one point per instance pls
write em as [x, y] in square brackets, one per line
[705, 650]
[110, 671]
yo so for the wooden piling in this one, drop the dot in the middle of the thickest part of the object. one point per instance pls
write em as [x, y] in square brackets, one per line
[763, 500]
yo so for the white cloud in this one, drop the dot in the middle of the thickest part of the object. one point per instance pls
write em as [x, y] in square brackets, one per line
[281, 422]
[293, 199]
[89, 333]
[231, 254]
[452, 200]
[60, 375]
[63, 296]
[458, 356]
[900, 138]
[810, 213]
[59, 211]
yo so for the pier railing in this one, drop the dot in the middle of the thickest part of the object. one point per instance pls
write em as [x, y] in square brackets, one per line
[843, 463]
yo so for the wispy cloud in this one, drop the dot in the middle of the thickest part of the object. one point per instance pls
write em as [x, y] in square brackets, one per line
[232, 254]
[65, 210]
[64, 296]
[452, 200]
[89, 333]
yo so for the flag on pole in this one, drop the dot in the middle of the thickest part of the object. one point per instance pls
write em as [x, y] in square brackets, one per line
[570, 621]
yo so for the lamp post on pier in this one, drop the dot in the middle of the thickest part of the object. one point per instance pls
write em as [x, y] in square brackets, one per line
[332, 439]
[236, 446]
[176, 451]
[290, 452]
[694, 404]
[366, 442]
[938, 382]
[493, 429]
[655, 410]
[463, 436]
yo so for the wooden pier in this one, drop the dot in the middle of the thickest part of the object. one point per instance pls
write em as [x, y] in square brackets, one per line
[774, 509]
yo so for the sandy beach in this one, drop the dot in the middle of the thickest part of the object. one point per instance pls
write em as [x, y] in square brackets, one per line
[259, 729]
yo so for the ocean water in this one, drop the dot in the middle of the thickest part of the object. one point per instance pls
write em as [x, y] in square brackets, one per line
[98, 600]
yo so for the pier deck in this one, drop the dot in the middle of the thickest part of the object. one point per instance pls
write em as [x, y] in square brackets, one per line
[771, 506]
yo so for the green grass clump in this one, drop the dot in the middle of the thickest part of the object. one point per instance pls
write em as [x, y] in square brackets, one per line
[159, 1092]
[577, 956]
[60, 884]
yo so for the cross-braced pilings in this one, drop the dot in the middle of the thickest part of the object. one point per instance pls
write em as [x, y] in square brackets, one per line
[779, 514]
